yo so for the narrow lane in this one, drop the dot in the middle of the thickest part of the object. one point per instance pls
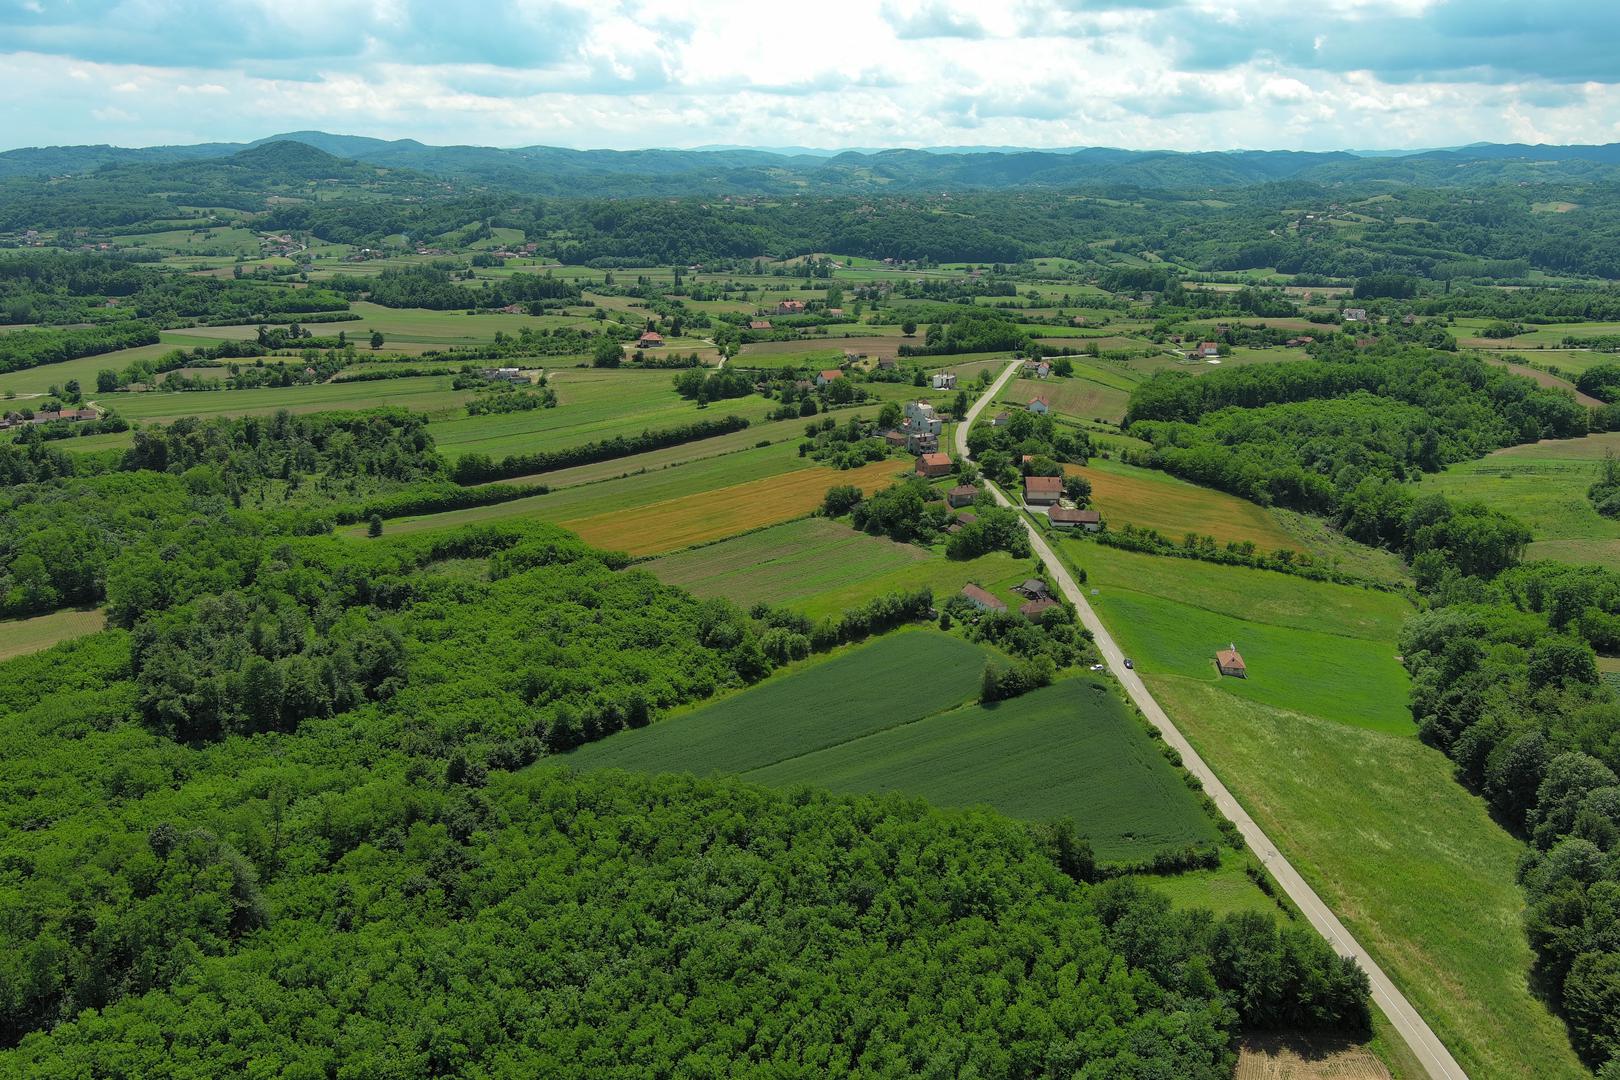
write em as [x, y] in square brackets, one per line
[1424, 1043]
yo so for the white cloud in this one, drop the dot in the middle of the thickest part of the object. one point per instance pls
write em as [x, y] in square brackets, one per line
[1180, 74]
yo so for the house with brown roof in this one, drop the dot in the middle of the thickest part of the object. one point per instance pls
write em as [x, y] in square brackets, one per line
[1061, 517]
[760, 324]
[830, 375]
[1035, 608]
[1039, 406]
[652, 339]
[1228, 662]
[895, 438]
[961, 495]
[790, 307]
[933, 465]
[1043, 490]
[982, 600]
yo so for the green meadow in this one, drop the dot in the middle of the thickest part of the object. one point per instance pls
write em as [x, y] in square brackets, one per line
[786, 563]
[1544, 484]
[1409, 860]
[1321, 649]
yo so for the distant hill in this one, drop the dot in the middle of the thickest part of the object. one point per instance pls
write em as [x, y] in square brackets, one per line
[548, 170]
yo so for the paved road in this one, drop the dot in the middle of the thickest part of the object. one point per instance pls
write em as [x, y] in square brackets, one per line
[1425, 1045]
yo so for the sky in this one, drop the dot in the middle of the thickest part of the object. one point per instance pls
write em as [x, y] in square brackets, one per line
[625, 74]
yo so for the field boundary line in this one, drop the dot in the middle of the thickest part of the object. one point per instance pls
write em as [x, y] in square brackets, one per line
[1406, 1020]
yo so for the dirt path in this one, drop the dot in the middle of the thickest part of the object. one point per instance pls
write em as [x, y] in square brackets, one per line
[1424, 1043]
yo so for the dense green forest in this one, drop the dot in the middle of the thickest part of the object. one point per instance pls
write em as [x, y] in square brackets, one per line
[285, 793]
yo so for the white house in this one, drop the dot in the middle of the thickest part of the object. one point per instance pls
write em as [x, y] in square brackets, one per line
[944, 380]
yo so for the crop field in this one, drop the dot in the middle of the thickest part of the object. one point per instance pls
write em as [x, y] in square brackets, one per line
[1313, 647]
[697, 518]
[1545, 484]
[1082, 397]
[787, 563]
[820, 703]
[19, 637]
[883, 717]
[1409, 860]
[1272, 1057]
[426, 394]
[636, 490]
[592, 404]
[1069, 750]
[1156, 500]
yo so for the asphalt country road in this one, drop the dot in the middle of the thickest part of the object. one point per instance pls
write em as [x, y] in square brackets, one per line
[1425, 1045]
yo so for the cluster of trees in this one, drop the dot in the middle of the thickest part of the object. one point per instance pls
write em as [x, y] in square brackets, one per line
[481, 468]
[1602, 381]
[21, 349]
[508, 398]
[1605, 490]
[431, 287]
[849, 445]
[969, 330]
[1505, 682]
[1303, 435]
[703, 386]
[1000, 449]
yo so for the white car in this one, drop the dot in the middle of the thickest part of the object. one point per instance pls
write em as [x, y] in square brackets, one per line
[1099, 667]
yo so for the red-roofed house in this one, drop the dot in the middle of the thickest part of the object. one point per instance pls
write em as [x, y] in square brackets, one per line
[1043, 490]
[933, 465]
[1230, 663]
[760, 324]
[1039, 405]
[652, 339]
[1209, 350]
[830, 375]
[981, 599]
[1064, 518]
[790, 307]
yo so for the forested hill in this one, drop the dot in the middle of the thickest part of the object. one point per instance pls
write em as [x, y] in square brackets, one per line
[557, 171]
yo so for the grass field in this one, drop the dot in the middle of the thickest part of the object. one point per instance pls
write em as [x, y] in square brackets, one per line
[1544, 484]
[820, 703]
[1156, 500]
[1083, 397]
[1069, 750]
[19, 637]
[1317, 648]
[1409, 860]
[1222, 890]
[787, 563]
[429, 394]
[592, 404]
[700, 517]
[996, 572]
